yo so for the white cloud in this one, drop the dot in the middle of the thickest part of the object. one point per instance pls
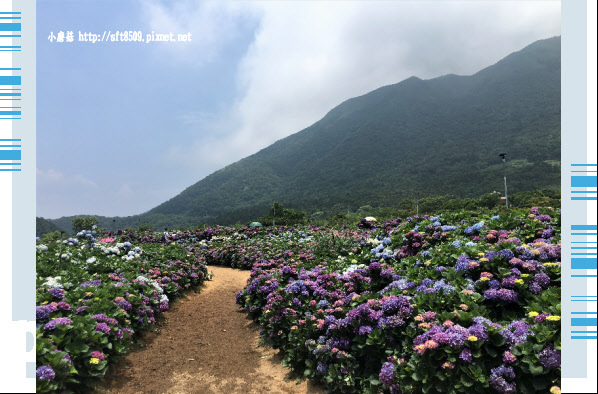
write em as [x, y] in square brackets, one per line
[212, 24]
[56, 178]
[308, 57]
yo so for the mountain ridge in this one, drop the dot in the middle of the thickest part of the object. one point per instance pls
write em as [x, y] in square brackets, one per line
[416, 137]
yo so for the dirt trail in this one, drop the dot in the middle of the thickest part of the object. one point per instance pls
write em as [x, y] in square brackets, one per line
[207, 346]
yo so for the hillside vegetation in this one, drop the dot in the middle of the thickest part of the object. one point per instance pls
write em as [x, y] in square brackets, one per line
[414, 139]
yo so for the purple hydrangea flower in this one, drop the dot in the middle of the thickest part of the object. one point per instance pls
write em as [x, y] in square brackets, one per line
[542, 279]
[509, 282]
[498, 379]
[535, 288]
[509, 358]
[550, 357]
[91, 283]
[494, 284]
[102, 327]
[387, 373]
[322, 367]
[64, 306]
[41, 313]
[462, 262]
[126, 305]
[364, 330]
[541, 317]
[504, 295]
[58, 293]
[547, 233]
[81, 309]
[63, 321]
[45, 372]
[163, 306]
[466, 355]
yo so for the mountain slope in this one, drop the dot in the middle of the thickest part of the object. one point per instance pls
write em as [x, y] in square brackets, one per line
[424, 137]
[45, 226]
[414, 138]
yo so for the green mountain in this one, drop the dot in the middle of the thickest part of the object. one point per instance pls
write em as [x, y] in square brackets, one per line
[44, 226]
[414, 138]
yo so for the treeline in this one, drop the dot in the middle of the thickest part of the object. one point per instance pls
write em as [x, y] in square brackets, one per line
[278, 214]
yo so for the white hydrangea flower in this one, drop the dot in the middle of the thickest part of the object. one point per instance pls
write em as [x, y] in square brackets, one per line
[53, 282]
[150, 282]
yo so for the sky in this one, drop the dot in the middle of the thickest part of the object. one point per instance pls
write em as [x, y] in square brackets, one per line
[125, 126]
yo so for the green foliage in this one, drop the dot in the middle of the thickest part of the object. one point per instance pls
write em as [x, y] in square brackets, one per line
[145, 227]
[45, 226]
[51, 237]
[545, 197]
[84, 223]
[339, 219]
[283, 216]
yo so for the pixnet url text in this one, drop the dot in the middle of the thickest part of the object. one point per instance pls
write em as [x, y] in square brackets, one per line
[117, 36]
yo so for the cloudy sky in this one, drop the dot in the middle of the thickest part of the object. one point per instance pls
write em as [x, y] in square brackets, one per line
[123, 127]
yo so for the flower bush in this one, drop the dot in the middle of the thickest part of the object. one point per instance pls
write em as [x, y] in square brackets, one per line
[454, 303]
[459, 302]
[91, 305]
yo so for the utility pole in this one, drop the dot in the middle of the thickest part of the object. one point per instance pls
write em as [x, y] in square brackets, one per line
[504, 165]
[274, 217]
[347, 205]
[60, 250]
[417, 203]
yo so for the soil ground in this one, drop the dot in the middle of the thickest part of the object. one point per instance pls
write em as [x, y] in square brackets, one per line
[207, 345]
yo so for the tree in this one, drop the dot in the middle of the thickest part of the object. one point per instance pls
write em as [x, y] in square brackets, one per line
[283, 216]
[145, 227]
[81, 223]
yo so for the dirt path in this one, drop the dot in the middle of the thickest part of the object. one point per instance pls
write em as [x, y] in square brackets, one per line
[208, 346]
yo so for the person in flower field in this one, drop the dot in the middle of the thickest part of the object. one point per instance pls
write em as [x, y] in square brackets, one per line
[165, 236]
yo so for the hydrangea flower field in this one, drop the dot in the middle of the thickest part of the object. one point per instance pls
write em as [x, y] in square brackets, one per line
[93, 298]
[458, 302]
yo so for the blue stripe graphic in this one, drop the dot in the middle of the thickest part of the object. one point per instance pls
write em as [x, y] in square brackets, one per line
[583, 322]
[583, 264]
[10, 80]
[583, 181]
[10, 27]
[10, 155]
[583, 227]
